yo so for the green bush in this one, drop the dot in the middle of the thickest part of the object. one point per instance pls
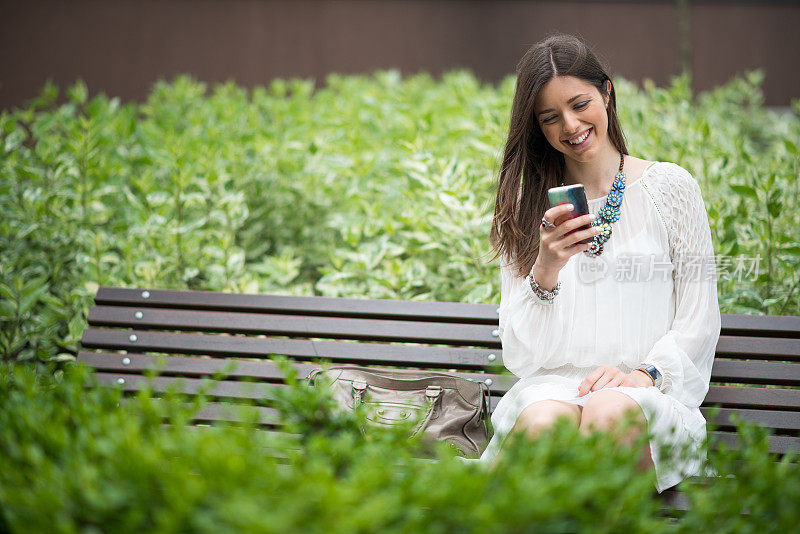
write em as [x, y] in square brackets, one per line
[79, 460]
[373, 186]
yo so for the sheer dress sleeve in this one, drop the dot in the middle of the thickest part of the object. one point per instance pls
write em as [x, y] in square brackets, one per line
[531, 329]
[685, 354]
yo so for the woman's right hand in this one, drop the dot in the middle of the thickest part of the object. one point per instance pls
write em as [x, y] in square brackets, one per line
[555, 247]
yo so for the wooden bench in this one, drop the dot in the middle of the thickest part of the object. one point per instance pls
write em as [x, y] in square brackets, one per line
[756, 372]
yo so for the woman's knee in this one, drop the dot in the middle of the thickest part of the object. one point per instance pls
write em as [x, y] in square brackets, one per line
[543, 414]
[606, 408]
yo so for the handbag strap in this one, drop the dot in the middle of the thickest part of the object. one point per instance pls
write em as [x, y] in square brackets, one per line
[431, 394]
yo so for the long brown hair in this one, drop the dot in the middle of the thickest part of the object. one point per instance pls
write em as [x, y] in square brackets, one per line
[530, 165]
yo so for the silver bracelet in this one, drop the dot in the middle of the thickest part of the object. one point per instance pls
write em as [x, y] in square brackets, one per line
[541, 292]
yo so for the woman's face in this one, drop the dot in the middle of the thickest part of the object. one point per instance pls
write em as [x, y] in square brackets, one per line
[573, 117]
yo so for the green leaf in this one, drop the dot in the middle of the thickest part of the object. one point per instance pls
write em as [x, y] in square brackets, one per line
[745, 190]
[774, 203]
[7, 309]
[78, 93]
[31, 294]
[7, 292]
[792, 248]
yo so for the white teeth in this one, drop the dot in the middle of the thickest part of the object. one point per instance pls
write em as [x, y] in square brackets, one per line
[579, 140]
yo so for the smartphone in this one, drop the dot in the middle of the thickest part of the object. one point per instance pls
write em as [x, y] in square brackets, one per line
[571, 194]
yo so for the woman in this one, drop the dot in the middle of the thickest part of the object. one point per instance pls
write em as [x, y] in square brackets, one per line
[627, 323]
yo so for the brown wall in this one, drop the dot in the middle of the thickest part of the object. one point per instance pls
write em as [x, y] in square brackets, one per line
[121, 47]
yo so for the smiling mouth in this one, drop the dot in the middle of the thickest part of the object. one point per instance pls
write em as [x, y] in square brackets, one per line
[574, 141]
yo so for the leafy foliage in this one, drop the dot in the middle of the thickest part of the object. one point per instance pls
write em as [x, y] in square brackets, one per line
[373, 186]
[74, 459]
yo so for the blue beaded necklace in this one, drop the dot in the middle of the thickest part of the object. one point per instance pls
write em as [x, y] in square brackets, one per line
[609, 213]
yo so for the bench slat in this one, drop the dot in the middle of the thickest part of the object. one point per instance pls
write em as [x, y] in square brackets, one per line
[777, 444]
[758, 348]
[215, 411]
[265, 369]
[270, 416]
[296, 325]
[228, 412]
[775, 419]
[779, 398]
[750, 372]
[187, 366]
[761, 325]
[191, 386]
[341, 351]
[323, 306]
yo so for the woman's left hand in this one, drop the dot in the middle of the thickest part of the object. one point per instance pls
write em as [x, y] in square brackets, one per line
[607, 376]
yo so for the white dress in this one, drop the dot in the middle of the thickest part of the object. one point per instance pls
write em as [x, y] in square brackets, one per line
[650, 297]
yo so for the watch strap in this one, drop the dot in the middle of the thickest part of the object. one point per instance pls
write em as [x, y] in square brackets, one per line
[654, 373]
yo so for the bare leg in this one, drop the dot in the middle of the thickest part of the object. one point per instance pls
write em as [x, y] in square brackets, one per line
[605, 409]
[540, 415]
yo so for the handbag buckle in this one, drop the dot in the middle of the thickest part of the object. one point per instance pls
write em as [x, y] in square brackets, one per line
[433, 391]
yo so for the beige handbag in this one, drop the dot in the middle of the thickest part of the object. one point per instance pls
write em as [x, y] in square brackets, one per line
[451, 408]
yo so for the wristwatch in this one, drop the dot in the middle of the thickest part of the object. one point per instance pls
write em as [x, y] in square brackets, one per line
[654, 373]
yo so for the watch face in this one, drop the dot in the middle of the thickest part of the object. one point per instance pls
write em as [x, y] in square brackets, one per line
[656, 375]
